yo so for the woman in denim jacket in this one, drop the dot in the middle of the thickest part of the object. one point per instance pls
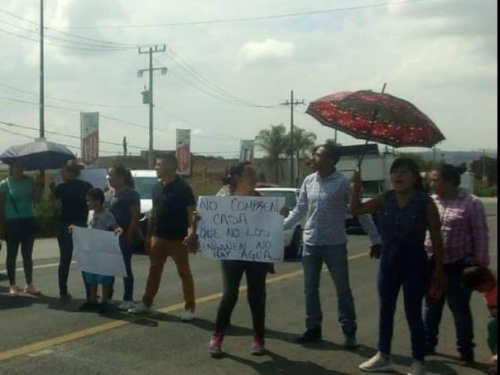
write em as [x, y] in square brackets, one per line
[406, 213]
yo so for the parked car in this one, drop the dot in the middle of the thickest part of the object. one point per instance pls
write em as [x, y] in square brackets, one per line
[293, 237]
[369, 190]
[144, 181]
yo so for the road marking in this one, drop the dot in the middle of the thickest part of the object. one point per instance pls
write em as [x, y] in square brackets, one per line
[43, 345]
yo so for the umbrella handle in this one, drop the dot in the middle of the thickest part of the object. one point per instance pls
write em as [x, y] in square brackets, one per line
[372, 124]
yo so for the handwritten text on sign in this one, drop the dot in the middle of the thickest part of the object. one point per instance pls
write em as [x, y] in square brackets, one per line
[241, 228]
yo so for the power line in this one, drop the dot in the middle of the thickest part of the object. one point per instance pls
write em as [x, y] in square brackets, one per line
[210, 84]
[62, 45]
[213, 91]
[64, 134]
[104, 42]
[67, 100]
[248, 19]
[220, 135]
[73, 110]
[8, 131]
[66, 40]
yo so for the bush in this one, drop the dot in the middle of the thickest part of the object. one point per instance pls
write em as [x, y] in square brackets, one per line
[47, 215]
[482, 190]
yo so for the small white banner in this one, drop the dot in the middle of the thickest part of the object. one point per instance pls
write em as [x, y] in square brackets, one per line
[98, 251]
[247, 150]
[241, 228]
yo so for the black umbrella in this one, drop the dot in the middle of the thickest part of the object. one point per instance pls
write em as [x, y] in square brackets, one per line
[36, 155]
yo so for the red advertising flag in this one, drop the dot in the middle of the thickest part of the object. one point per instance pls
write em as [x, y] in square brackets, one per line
[89, 126]
[183, 151]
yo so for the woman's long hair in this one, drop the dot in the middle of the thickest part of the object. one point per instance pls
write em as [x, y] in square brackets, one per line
[234, 172]
[450, 173]
[125, 173]
[73, 168]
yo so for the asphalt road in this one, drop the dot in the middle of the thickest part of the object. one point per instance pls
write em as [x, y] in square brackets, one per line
[45, 336]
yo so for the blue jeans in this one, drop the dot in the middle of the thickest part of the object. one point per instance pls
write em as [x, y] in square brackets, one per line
[335, 258]
[458, 299]
[410, 270]
[128, 281]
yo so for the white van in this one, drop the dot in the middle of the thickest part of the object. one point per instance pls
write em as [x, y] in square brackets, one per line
[145, 180]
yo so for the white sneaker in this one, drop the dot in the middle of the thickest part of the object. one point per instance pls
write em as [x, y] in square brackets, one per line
[378, 363]
[140, 308]
[126, 305]
[187, 315]
[417, 368]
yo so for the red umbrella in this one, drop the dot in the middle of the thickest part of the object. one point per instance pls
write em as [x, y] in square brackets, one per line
[376, 117]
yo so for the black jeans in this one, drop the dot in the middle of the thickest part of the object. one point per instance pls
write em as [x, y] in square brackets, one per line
[20, 232]
[128, 281]
[232, 272]
[65, 241]
[458, 299]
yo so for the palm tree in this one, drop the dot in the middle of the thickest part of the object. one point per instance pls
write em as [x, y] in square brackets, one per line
[333, 142]
[273, 142]
[303, 143]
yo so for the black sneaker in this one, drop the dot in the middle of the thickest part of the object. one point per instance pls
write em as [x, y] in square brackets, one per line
[429, 350]
[104, 307]
[311, 335]
[89, 306]
[466, 357]
[350, 342]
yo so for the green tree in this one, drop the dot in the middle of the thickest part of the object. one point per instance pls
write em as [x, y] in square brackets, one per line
[418, 158]
[333, 142]
[274, 142]
[303, 143]
[487, 166]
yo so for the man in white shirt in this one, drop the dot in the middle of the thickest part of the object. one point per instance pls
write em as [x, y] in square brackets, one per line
[323, 199]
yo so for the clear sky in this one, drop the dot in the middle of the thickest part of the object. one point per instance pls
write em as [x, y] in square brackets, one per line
[231, 63]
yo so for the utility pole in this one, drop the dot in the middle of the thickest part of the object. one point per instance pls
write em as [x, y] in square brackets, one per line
[484, 178]
[42, 99]
[292, 103]
[148, 94]
[125, 151]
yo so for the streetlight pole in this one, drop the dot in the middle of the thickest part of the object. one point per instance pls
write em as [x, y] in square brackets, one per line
[42, 96]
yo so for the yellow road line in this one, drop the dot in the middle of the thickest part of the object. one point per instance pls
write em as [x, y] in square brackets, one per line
[45, 344]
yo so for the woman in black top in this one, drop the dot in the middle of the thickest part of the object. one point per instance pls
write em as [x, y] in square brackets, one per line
[72, 194]
[125, 205]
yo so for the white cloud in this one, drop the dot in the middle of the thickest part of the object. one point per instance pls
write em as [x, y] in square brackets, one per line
[267, 50]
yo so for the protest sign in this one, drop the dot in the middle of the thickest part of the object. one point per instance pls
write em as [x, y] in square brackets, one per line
[241, 228]
[98, 251]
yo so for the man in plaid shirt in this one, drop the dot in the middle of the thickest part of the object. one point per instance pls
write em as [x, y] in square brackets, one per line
[465, 240]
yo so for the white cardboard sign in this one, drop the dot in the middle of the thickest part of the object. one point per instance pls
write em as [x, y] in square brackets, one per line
[241, 228]
[98, 251]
